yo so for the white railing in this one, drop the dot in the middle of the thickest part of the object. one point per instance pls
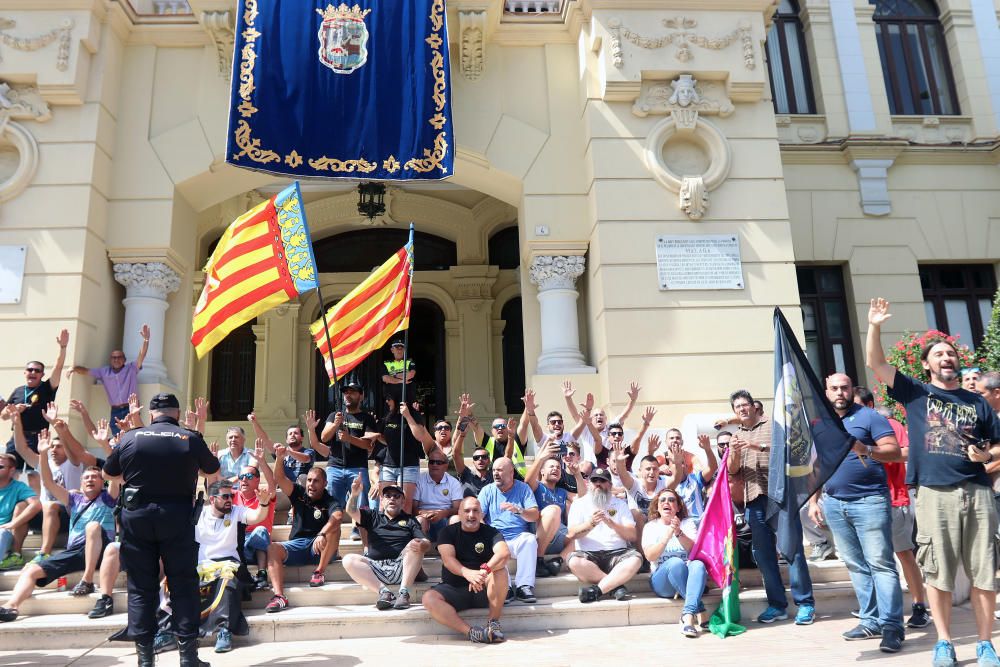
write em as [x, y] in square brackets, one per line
[533, 6]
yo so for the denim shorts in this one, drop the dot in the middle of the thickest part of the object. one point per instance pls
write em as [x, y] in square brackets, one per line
[256, 540]
[558, 542]
[299, 552]
[410, 474]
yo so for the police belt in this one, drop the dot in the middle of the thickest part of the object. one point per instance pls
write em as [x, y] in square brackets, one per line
[145, 499]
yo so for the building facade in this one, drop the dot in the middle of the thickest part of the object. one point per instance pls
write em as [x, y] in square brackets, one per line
[850, 148]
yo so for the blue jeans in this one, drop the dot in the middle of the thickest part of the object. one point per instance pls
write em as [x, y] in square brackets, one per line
[862, 531]
[119, 413]
[256, 540]
[680, 576]
[6, 542]
[765, 552]
[339, 480]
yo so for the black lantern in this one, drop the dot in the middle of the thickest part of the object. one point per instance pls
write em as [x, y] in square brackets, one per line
[371, 202]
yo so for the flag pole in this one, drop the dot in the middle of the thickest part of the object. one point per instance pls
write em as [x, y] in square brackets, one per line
[406, 351]
[333, 363]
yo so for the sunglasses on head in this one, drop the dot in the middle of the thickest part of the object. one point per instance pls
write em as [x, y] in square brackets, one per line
[437, 462]
[246, 475]
[480, 457]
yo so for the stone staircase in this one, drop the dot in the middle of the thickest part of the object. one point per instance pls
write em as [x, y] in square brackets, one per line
[343, 609]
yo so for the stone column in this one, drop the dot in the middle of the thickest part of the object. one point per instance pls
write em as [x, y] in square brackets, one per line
[473, 290]
[556, 277]
[147, 285]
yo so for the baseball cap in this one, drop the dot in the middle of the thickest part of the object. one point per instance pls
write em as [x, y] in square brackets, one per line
[347, 386]
[600, 473]
[163, 401]
[392, 487]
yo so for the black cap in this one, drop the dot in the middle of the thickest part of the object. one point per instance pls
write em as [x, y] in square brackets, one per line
[392, 487]
[163, 401]
[601, 473]
[347, 386]
[397, 342]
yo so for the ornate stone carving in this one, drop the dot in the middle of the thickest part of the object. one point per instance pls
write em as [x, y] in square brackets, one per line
[220, 27]
[685, 38]
[150, 278]
[472, 27]
[800, 129]
[556, 271]
[62, 34]
[873, 185]
[933, 129]
[684, 92]
[693, 197]
[23, 103]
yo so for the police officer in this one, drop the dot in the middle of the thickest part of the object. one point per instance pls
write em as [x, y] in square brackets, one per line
[159, 466]
[395, 375]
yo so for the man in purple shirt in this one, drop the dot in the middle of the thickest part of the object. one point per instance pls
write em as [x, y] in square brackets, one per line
[120, 379]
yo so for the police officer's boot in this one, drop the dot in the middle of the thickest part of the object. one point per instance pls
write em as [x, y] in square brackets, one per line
[188, 649]
[147, 657]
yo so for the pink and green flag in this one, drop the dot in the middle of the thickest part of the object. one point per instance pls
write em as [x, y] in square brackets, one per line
[716, 547]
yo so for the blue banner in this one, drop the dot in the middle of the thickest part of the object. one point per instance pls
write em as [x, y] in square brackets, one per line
[808, 439]
[359, 90]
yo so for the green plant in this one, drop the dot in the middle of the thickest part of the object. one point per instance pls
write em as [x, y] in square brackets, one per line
[905, 356]
[989, 350]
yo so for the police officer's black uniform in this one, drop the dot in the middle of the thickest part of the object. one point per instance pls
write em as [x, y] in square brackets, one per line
[159, 464]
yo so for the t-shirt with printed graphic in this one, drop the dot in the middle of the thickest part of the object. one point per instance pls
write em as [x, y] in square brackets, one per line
[344, 455]
[942, 423]
[545, 496]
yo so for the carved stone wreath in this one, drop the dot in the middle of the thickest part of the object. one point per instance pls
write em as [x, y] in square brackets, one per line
[684, 38]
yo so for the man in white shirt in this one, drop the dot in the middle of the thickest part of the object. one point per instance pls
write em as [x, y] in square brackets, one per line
[602, 526]
[438, 495]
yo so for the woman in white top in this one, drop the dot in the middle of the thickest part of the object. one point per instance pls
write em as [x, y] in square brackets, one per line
[666, 541]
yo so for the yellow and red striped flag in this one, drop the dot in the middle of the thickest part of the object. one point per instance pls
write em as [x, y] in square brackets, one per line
[263, 259]
[367, 317]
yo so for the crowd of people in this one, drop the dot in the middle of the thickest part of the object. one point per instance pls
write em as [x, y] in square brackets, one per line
[589, 501]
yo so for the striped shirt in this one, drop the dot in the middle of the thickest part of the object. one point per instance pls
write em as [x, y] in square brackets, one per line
[754, 464]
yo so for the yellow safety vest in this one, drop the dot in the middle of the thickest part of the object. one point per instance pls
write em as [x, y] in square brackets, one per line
[519, 464]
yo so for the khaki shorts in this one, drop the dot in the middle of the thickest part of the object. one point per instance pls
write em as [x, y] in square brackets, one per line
[957, 525]
[902, 529]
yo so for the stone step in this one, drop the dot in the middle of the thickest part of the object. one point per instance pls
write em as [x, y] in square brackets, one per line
[312, 621]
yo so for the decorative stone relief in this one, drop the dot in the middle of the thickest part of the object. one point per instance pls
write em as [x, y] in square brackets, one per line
[62, 34]
[688, 155]
[684, 92]
[684, 38]
[873, 184]
[472, 27]
[18, 148]
[801, 129]
[23, 103]
[933, 129]
[221, 28]
[556, 271]
[149, 278]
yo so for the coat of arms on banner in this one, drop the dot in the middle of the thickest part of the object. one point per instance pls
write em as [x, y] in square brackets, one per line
[343, 38]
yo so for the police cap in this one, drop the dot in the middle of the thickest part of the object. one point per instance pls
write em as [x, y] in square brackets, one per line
[351, 386]
[163, 402]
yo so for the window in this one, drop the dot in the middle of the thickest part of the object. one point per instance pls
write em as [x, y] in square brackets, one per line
[915, 63]
[363, 250]
[958, 299]
[505, 248]
[788, 66]
[234, 365]
[829, 337]
[513, 355]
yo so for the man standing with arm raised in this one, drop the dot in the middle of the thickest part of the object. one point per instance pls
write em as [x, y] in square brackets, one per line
[953, 436]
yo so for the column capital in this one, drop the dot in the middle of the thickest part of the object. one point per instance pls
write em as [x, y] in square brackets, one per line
[154, 279]
[556, 271]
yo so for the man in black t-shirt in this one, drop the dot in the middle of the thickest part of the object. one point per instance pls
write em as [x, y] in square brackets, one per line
[474, 574]
[396, 547]
[35, 394]
[417, 442]
[315, 534]
[347, 440]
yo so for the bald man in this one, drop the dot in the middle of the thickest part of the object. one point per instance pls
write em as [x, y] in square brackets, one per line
[510, 506]
[858, 510]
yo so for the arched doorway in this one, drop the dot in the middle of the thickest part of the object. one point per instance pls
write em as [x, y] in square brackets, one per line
[513, 355]
[426, 340]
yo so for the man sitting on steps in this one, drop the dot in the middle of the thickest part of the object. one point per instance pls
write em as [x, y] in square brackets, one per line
[396, 547]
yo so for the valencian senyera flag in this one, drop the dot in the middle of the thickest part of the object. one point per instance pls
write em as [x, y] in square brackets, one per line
[716, 547]
[342, 89]
[808, 439]
[263, 259]
[368, 316]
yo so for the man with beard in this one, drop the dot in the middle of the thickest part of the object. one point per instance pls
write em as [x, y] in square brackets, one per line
[510, 507]
[416, 443]
[474, 575]
[350, 435]
[603, 527]
[592, 437]
[298, 459]
[953, 436]
[258, 534]
[477, 476]
[92, 527]
[217, 532]
[553, 501]
[315, 534]
[396, 547]
[858, 510]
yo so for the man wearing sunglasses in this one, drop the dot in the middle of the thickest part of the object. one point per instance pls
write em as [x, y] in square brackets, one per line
[507, 436]
[592, 437]
[396, 547]
[437, 496]
[120, 379]
[478, 475]
[35, 395]
[248, 491]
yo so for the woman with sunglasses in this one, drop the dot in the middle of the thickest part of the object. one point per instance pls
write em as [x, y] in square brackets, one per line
[666, 541]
